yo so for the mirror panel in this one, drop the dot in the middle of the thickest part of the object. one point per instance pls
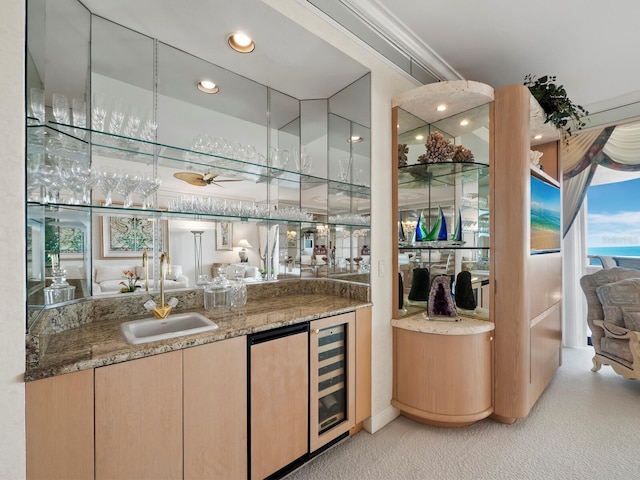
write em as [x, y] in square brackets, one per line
[265, 154]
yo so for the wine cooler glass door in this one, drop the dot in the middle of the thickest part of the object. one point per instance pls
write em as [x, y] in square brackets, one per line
[332, 409]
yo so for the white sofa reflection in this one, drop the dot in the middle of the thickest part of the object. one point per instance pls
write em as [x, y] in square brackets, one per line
[106, 279]
[251, 272]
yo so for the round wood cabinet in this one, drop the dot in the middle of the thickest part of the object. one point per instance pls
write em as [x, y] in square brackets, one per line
[443, 371]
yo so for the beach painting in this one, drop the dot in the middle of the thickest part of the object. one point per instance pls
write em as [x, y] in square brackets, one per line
[545, 217]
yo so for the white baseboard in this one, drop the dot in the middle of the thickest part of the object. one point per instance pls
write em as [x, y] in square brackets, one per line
[376, 422]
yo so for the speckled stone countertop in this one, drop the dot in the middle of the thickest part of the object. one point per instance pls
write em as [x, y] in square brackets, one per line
[465, 326]
[99, 342]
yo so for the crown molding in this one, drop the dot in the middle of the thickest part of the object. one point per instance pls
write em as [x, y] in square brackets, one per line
[395, 31]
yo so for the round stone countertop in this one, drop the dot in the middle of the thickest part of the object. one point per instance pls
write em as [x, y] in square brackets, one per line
[465, 326]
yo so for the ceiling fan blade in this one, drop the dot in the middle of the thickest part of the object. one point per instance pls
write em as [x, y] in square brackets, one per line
[192, 178]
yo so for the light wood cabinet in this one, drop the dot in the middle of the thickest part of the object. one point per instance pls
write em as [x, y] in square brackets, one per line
[279, 399]
[443, 380]
[59, 427]
[215, 410]
[138, 419]
[363, 364]
[500, 127]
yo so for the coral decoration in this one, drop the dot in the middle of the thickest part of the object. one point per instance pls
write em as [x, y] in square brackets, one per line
[439, 149]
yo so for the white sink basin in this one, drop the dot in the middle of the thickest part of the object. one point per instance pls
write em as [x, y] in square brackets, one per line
[153, 329]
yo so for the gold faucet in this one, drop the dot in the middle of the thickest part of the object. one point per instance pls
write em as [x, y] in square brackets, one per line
[145, 265]
[163, 310]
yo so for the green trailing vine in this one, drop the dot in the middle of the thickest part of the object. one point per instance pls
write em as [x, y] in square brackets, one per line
[557, 106]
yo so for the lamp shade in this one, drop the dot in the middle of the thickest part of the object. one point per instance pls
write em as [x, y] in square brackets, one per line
[244, 243]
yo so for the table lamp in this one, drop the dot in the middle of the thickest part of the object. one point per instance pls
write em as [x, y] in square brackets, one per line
[244, 243]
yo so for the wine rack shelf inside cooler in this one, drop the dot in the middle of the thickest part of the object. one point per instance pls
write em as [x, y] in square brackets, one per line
[332, 393]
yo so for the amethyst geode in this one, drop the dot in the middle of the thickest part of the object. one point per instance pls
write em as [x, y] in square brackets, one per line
[440, 301]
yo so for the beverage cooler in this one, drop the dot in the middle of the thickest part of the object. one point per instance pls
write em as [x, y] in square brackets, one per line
[332, 379]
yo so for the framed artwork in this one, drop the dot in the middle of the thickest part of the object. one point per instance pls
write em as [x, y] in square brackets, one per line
[128, 237]
[71, 242]
[224, 236]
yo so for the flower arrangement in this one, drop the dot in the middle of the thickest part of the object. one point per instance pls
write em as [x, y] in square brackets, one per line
[131, 284]
[557, 106]
[439, 149]
[403, 150]
[462, 155]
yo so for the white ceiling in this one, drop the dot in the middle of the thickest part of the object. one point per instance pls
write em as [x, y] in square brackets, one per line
[588, 44]
[287, 57]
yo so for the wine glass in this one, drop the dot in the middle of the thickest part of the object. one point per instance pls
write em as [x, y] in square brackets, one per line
[109, 179]
[133, 123]
[128, 184]
[37, 104]
[98, 111]
[148, 185]
[79, 116]
[117, 117]
[61, 108]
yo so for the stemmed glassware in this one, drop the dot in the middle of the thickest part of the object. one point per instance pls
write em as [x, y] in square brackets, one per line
[37, 104]
[51, 181]
[108, 181]
[147, 187]
[98, 111]
[79, 117]
[60, 108]
[128, 184]
[117, 117]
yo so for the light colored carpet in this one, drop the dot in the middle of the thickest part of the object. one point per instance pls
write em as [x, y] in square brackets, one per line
[586, 425]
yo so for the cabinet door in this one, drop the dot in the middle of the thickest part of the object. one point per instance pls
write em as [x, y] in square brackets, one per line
[332, 378]
[363, 364]
[59, 426]
[138, 416]
[279, 403]
[215, 410]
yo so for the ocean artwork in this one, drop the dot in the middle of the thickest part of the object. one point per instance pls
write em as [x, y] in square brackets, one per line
[545, 217]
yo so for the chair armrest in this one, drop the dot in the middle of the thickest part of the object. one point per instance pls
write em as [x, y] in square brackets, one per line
[614, 331]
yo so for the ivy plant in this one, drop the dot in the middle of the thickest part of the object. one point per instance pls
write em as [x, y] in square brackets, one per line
[557, 106]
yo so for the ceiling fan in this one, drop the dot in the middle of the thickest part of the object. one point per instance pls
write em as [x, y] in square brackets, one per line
[200, 180]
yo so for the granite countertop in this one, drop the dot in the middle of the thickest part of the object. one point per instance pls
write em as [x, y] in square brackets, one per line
[100, 343]
[465, 326]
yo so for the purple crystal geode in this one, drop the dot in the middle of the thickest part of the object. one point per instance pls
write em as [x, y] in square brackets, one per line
[440, 301]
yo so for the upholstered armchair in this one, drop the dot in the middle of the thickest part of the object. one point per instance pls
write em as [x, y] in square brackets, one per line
[613, 300]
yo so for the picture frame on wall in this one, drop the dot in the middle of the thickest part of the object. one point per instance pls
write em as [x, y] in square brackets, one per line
[129, 237]
[224, 236]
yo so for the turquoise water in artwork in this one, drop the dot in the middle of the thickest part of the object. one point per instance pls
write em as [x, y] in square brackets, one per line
[620, 251]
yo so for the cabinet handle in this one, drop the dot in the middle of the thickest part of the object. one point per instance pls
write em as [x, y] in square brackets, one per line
[316, 331]
[491, 338]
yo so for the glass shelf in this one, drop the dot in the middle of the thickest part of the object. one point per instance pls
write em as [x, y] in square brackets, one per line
[76, 141]
[440, 174]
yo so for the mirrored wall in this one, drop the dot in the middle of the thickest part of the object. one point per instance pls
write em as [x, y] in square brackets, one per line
[126, 156]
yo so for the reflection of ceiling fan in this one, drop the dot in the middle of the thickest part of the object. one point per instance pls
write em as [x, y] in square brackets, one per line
[200, 180]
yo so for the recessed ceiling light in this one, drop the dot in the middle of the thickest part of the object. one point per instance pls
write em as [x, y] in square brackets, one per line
[207, 86]
[420, 137]
[537, 137]
[355, 139]
[464, 123]
[241, 42]
[441, 108]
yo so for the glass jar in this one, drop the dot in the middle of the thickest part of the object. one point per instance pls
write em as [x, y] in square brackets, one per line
[217, 295]
[238, 287]
[59, 290]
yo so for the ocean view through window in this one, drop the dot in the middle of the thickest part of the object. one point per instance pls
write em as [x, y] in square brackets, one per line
[613, 220]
